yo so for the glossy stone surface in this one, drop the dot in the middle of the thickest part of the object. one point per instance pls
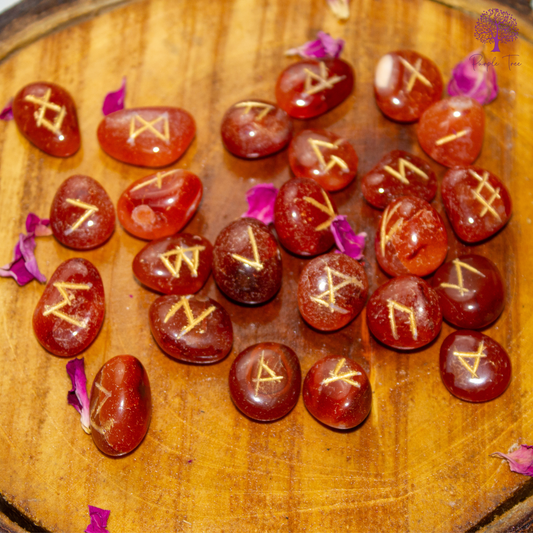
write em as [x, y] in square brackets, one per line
[147, 136]
[405, 84]
[46, 115]
[303, 213]
[451, 131]
[404, 313]
[411, 238]
[121, 405]
[477, 203]
[332, 291]
[175, 265]
[161, 204]
[473, 366]
[399, 174]
[470, 290]
[71, 310]
[310, 88]
[265, 381]
[82, 215]
[247, 262]
[255, 128]
[337, 392]
[325, 157]
[191, 328]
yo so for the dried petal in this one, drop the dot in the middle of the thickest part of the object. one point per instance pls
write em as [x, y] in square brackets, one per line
[325, 46]
[114, 101]
[99, 519]
[38, 226]
[77, 396]
[345, 238]
[340, 8]
[520, 461]
[7, 112]
[261, 200]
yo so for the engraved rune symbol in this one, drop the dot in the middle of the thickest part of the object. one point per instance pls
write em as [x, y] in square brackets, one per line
[333, 160]
[256, 263]
[415, 73]
[158, 180]
[392, 305]
[191, 321]
[495, 193]
[55, 310]
[471, 355]
[89, 211]
[98, 407]
[325, 208]
[451, 137]
[459, 265]
[263, 366]
[323, 79]
[248, 106]
[45, 104]
[327, 298]
[400, 173]
[181, 256]
[385, 236]
[335, 376]
[149, 126]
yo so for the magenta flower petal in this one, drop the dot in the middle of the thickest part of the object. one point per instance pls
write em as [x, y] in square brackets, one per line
[345, 238]
[520, 461]
[99, 519]
[325, 46]
[261, 200]
[37, 225]
[18, 271]
[340, 8]
[77, 396]
[114, 101]
[7, 112]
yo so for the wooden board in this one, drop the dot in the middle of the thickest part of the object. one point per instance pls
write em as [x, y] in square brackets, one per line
[421, 461]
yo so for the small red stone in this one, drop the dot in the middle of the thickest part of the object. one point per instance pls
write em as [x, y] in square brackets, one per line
[451, 131]
[310, 88]
[120, 405]
[46, 115]
[399, 174]
[476, 201]
[247, 262]
[265, 381]
[191, 328]
[325, 157]
[303, 213]
[161, 204]
[474, 367]
[255, 128]
[332, 291]
[147, 136]
[404, 313]
[82, 215]
[411, 239]
[470, 290]
[71, 310]
[405, 84]
[337, 392]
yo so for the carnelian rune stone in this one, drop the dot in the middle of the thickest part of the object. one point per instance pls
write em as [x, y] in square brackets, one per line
[180, 264]
[161, 204]
[337, 392]
[265, 381]
[325, 157]
[476, 201]
[255, 128]
[332, 291]
[147, 136]
[120, 405]
[71, 310]
[46, 115]
[405, 84]
[411, 239]
[82, 215]
[404, 313]
[473, 366]
[310, 88]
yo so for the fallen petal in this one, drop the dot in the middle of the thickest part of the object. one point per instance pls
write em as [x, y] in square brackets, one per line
[77, 396]
[37, 225]
[7, 112]
[261, 200]
[347, 241]
[114, 101]
[324, 46]
[340, 8]
[520, 461]
[99, 519]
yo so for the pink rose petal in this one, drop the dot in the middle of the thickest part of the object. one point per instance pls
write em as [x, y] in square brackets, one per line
[99, 519]
[7, 112]
[261, 200]
[520, 461]
[114, 101]
[77, 396]
[325, 46]
[340, 8]
[346, 239]
[37, 225]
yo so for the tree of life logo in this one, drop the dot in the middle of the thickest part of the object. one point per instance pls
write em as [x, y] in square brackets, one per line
[496, 26]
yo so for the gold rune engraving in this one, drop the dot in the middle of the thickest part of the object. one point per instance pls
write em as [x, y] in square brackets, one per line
[495, 193]
[415, 73]
[471, 355]
[392, 305]
[98, 407]
[400, 173]
[459, 265]
[327, 298]
[248, 106]
[149, 126]
[451, 137]
[334, 160]
[55, 310]
[181, 256]
[158, 180]
[263, 366]
[385, 236]
[325, 208]
[191, 321]
[255, 263]
[335, 376]
[45, 104]
[323, 79]
[89, 211]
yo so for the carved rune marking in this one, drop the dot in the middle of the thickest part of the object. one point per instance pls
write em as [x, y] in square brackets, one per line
[495, 193]
[324, 82]
[325, 208]
[385, 236]
[256, 263]
[471, 355]
[181, 256]
[451, 137]
[333, 160]
[150, 126]
[191, 321]
[98, 407]
[62, 287]
[459, 265]
[333, 289]
[158, 180]
[392, 305]
[249, 105]
[45, 104]
[89, 211]
[400, 173]
[415, 73]
[263, 366]
[335, 376]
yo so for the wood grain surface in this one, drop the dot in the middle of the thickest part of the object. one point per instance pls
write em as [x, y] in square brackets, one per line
[421, 461]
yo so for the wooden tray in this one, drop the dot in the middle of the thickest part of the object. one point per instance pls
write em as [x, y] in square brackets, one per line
[421, 462]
